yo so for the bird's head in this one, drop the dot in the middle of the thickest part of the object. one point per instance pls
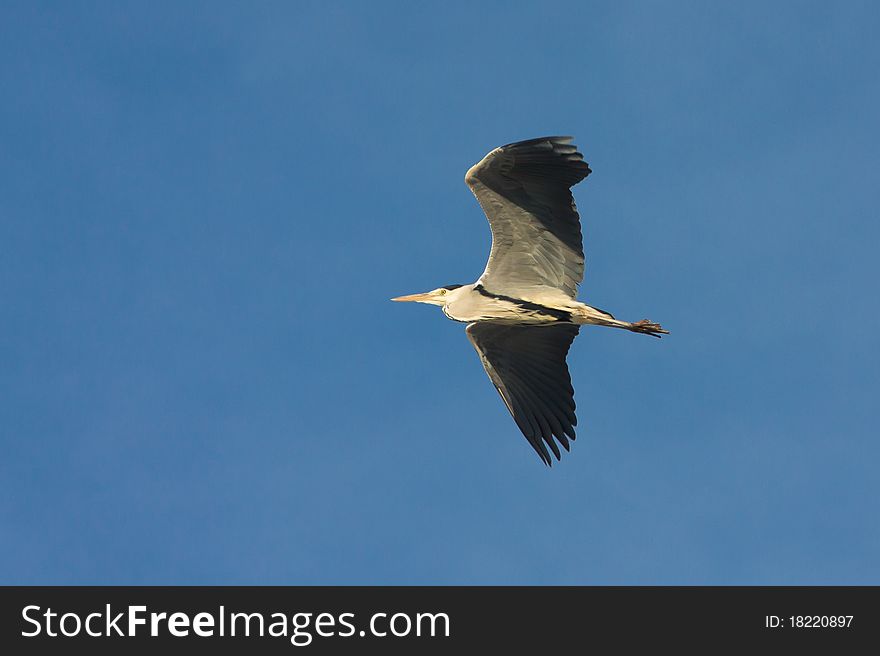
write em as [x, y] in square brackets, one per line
[440, 296]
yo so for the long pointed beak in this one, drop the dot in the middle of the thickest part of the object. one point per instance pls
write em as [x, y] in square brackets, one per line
[413, 298]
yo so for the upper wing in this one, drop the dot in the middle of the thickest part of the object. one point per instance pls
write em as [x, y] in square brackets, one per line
[524, 189]
[526, 363]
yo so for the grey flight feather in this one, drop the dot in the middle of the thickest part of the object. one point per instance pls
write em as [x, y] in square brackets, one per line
[524, 189]
[526, 363]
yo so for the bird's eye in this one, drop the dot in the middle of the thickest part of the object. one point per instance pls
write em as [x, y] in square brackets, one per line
[442, 292]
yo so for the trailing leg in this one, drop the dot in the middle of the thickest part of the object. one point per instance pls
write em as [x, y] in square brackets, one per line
[647, 327]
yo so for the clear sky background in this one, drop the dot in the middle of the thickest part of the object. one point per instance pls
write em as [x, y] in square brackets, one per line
[205, 207]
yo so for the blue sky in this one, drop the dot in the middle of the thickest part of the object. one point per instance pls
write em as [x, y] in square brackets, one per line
[205, 207]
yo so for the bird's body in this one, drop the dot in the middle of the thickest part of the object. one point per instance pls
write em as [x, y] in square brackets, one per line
[522, 313]
[474, 302]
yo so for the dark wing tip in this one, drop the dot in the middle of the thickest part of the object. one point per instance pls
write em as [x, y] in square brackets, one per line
[560, 140]
[550, 153]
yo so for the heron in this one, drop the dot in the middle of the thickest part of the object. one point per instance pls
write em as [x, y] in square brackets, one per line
[522, 314]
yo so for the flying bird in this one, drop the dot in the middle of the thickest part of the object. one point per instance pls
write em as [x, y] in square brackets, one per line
[522, 314]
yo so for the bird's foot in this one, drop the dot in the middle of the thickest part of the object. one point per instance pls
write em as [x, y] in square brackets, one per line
[647, 327]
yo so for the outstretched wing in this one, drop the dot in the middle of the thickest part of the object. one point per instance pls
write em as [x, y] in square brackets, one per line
[524, 189]
[526, 363]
